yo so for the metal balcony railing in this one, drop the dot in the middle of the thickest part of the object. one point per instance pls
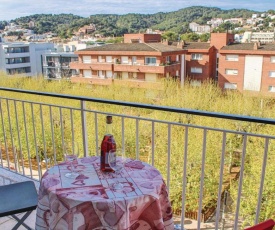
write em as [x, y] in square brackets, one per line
[219, 175]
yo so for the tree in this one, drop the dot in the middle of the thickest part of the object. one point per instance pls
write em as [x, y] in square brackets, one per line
[3, 24]
[170, 36]
[205, 37]
[191, 37]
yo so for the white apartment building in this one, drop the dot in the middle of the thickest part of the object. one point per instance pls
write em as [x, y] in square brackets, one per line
[199, 29]
[23, 58]
[56, 64]
[215, 22]
[235, 20]
[263, 37]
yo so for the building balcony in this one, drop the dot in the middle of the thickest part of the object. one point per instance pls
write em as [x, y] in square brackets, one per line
[127, 67]
[18, 65]
[92, 66]
[218, 176]
[158, 68]
[17, 55]
[95, 80]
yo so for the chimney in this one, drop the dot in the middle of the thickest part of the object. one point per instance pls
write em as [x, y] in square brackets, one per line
[255, 47]
[180, 44]
[165, 42]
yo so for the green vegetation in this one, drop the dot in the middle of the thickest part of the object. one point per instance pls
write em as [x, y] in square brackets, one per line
[208, 97]
[65, 25]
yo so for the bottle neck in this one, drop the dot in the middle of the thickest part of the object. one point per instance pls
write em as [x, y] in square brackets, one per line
[109, 129]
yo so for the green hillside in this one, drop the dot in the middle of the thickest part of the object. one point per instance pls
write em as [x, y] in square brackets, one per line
[117, 25]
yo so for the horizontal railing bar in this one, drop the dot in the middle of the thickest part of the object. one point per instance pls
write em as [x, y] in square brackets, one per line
[147, 106]
[146, 119]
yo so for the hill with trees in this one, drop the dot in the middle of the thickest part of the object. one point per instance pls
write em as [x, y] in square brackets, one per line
[65, 25]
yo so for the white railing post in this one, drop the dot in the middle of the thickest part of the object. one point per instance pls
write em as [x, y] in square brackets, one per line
[84, 128]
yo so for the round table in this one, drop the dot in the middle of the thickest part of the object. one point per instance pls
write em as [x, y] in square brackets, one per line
[89, 202]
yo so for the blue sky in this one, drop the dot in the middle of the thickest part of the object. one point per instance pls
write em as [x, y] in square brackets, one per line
[11, 9]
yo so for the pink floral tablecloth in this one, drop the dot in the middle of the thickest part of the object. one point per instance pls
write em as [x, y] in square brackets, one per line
[88, 202]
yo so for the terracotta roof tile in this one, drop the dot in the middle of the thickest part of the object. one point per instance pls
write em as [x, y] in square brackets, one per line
[196, 45]
[249, 46]
[157, 47]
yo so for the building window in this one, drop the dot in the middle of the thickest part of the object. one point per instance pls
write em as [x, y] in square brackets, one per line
[271, 88]
[99, 59]
[124, 60]
[231, 71]
[168, 59]
[16, 49]
[87, 73]
[231, 57]
[109, 59]
[87, 59]
[272, 59]
[19, 70]
[196, 70]
[228, 85]
[271, 73]
[150, 61]
[196, 56]
[17, 60]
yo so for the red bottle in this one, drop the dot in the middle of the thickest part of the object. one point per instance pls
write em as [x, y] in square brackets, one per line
[108, 143]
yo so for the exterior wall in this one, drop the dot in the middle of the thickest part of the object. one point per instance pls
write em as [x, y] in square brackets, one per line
[142, 38]
[212, 62]
[224, 78]
[206, 64]
[266, 80]
[267, 66]
[218, 40]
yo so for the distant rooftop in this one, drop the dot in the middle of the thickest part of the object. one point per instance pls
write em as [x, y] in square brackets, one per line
[191, 45]
[150, 47]
[196, 45]
[249, 46]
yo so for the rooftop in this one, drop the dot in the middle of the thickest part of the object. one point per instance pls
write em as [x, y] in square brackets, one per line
[151, 47]
[196, 45]
[249, 46]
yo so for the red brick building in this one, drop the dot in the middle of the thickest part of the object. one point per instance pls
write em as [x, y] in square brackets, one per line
[247, 66]
[147, 62]
[240, 66]
[200, 61]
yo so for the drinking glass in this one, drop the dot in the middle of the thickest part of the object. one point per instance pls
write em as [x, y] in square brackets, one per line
[116, 160]
[71, 153]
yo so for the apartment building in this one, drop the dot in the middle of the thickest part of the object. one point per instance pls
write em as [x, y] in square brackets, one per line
[200, 61]
[56, 65]
[215, 22]
[263, 37]
[199, 29]
[239, 21]
[23, 58]
[143, 62]
[247, 66]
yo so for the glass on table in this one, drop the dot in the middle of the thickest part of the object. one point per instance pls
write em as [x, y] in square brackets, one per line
[71, 153]
[117, 160]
